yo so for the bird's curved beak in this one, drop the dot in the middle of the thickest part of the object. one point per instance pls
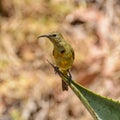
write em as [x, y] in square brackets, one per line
[43, 36]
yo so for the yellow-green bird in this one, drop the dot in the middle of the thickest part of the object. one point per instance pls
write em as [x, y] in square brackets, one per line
[63, 54]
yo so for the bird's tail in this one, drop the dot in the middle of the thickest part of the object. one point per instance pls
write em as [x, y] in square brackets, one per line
[64, 86]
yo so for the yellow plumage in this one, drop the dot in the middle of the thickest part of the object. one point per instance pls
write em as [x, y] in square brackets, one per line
[63, 54]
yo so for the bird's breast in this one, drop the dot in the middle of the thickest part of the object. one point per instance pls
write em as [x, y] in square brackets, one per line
[63, 59]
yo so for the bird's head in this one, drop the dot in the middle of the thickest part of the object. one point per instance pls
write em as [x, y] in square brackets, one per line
[55, 37]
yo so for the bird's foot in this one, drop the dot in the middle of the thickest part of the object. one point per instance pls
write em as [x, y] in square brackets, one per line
[56, 69]
[69, 77]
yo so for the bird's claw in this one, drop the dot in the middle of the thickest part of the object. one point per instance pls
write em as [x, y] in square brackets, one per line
[69, 77]
[56, 69]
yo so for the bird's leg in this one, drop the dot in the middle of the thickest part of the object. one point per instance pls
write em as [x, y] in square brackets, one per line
[69, 76]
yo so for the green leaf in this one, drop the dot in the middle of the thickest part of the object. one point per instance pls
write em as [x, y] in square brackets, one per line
[104, 108]
[99, 107]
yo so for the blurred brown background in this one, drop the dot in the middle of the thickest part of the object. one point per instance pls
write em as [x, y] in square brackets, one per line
[29, 89]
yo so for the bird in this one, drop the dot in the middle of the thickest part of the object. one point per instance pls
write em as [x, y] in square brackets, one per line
[63, 54]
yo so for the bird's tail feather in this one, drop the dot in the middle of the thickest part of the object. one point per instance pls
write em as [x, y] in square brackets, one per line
[64, 86]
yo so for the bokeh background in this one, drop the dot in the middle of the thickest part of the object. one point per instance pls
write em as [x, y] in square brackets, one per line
[29, 88]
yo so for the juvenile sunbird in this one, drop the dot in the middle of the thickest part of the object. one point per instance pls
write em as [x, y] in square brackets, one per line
[63, 54]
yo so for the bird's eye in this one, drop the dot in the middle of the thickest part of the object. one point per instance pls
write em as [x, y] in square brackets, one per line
[54, 35]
